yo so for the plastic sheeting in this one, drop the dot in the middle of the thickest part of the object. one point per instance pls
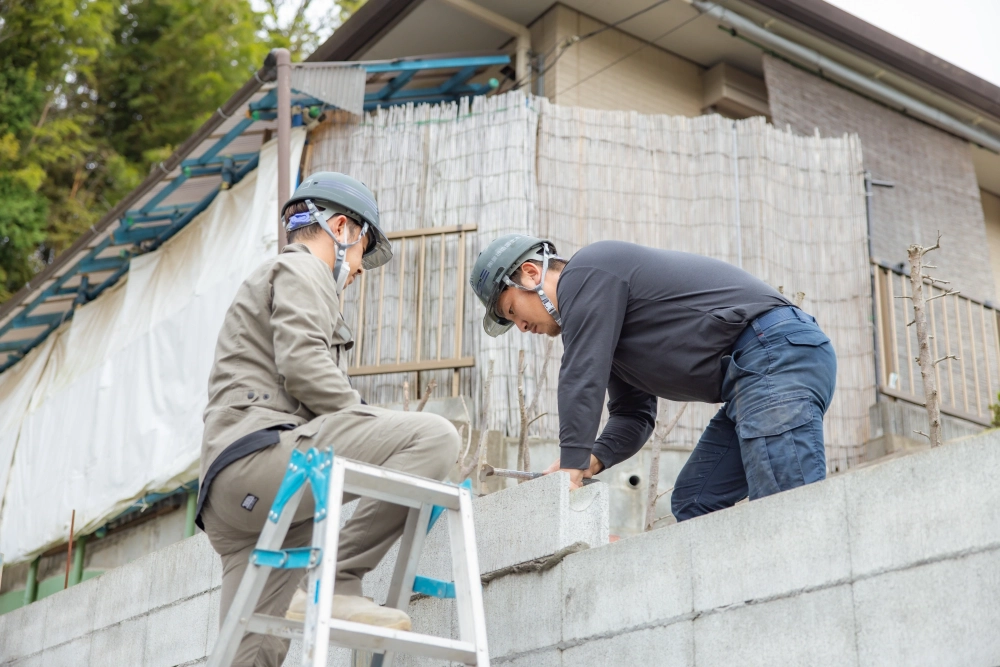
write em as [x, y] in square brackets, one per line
[109, 408]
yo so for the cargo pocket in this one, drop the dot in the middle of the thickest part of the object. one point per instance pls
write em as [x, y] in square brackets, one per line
[810, 338]
[771, 439]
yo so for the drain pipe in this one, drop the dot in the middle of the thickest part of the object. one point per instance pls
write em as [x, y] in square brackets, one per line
[910, 106]
[503, 23]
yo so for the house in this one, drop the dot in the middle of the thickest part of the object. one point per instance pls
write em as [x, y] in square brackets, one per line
[631, 120]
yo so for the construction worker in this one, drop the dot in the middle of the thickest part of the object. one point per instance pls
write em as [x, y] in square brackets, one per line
[641, 323]
[279, 382]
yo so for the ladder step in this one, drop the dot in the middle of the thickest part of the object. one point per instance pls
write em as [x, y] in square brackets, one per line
[398, 488]
[371, 638]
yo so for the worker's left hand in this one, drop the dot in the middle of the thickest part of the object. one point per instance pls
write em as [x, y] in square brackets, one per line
[576, 476]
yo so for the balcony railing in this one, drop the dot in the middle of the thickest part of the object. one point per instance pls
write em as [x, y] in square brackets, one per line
[963, 327]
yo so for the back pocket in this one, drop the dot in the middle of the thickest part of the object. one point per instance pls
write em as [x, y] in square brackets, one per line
[810, 338]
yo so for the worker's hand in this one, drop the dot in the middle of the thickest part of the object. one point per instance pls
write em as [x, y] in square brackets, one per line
[576, 477]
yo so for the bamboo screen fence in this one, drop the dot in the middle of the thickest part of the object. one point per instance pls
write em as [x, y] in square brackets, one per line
[789, 209]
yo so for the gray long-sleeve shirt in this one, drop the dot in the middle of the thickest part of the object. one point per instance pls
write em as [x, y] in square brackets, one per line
[640, 323]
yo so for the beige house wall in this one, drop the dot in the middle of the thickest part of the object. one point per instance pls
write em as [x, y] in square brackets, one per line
[650, 81]
[991, 214]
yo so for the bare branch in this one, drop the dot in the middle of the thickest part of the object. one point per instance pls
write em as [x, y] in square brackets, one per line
[923, 434]
[406, 395]
[911, 323]
[937, 244]
[947, 356]
[660, 495]
[431, 386]
[948, 293]
[468, 431]
[523, 457]
[934, 280]
[537, 418]
[659, 436]
[483, 426]
[902, 297]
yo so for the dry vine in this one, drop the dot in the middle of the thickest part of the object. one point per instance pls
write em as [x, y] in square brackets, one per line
[528, 416]
[483, 424]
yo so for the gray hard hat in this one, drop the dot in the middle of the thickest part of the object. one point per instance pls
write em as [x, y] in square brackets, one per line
[340, 193]
[491, 275]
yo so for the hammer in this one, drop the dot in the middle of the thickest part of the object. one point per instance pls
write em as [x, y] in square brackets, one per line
[488, 471]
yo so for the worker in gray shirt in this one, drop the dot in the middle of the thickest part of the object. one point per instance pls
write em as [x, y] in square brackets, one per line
[640, 323]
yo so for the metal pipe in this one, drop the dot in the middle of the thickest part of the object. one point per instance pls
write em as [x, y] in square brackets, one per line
[284, 70]
[848, 77]
[159, 172]
[76, 574]
[192, 509]
[31, 587]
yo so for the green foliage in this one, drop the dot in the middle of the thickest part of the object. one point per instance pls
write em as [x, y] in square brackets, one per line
[995, 409]
[93, 92]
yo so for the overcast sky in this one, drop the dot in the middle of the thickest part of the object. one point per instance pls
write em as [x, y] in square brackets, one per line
[963, 32]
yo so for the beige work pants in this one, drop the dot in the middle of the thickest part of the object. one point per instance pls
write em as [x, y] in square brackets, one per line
[413, 442]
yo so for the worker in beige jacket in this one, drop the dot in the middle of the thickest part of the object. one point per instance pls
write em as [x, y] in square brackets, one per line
[280, 382]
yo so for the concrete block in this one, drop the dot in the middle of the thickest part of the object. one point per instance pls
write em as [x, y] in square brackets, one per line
[940, 614]
[770, 547]
[633, 582]
[177, 633]
[123, 592]
[538, 518]
[337, 657]
[70, 654]
[926, 505]
[182, 570]
[523, 612]
[516, 525]
[544, 658]
[120, 645]
[812, 629]
[214, 601]
[24, 631]
[70, 613]
[36, 660]
[667, 645]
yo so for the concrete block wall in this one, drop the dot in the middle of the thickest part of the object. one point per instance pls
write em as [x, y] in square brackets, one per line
[896, 563]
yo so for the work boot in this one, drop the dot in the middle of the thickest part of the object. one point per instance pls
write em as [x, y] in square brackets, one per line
[352, 608]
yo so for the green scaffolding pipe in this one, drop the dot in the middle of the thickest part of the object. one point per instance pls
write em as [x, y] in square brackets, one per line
[31, 588]
[192, 506]
[79, 552]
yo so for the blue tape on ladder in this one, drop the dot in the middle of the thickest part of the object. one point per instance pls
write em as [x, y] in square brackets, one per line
[313, 465]
[433, 587]
[437, 511]
[287, 559]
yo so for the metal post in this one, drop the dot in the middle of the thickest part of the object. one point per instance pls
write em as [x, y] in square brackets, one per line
[31, 587]
[76, 574]
[284, 67]
[192, 508]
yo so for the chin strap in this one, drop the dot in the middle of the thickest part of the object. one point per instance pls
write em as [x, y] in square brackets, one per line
[538, 288]
[341, 267]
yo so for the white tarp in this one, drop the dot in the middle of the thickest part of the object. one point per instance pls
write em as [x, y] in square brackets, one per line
[109, 407]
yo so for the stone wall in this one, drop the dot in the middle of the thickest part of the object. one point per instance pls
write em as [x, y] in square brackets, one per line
[896, 563]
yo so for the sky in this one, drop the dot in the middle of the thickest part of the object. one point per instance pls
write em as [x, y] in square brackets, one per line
[963, 32]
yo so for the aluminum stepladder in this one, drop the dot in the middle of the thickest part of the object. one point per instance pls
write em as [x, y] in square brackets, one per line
[330, 478]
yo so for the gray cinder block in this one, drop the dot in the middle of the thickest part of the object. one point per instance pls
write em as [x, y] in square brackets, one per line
[940, 614]
[812, 629]
[927, 505]
[123, 592]
[638, 580]
[178, 633]
[120, 645]
[772, 546]
[182, 570]
[69, 613]
[667, 645]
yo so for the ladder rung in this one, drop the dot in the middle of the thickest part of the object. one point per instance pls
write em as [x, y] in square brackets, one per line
[371, 638]
[396, 487]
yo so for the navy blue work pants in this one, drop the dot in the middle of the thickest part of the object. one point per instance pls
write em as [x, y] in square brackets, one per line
[768, 437]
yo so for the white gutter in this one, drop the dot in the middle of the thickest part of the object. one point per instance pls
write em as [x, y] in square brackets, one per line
[506, 25]
[848, 77]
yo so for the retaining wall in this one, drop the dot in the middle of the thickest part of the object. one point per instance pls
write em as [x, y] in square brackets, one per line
[894, 564]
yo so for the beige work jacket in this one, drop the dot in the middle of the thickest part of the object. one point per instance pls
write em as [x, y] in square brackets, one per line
[281, 357]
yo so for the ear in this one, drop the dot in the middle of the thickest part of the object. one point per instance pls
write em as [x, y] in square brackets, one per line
[338, 225]
[532, 272]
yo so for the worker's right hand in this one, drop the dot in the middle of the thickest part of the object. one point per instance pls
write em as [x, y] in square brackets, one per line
[595, 467]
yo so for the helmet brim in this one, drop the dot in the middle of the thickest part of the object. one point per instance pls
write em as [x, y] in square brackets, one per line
[380, 254]
[494, 326]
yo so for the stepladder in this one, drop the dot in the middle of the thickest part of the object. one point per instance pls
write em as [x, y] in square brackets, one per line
[329, 479]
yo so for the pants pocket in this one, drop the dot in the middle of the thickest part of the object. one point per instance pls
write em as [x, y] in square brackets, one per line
[775, 441]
